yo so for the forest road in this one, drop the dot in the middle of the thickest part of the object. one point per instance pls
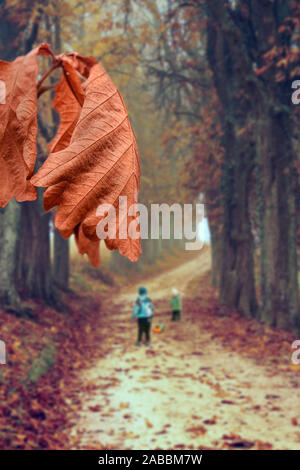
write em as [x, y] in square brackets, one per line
[185, 391]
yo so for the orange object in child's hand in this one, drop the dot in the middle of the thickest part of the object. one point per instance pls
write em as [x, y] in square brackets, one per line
[158, 328]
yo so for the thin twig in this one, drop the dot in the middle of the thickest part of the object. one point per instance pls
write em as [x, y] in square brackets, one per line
[55, 65]
[43, 89]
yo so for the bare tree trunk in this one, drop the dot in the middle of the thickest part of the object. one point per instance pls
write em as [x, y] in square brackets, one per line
[237, 287]
[148, 255]
[279, 261]
[216, 255]
[9, 228]
[229, 64]
[35, 262]
[120, 263]
[61, 261]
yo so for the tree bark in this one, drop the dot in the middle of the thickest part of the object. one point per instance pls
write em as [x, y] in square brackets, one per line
[120, 263]
[276, 156]
[148, 256]
[216, 255]
[237, 287]
[229, 66]
[280, 301]
[9, 226]
[61, 261]
[35, 265]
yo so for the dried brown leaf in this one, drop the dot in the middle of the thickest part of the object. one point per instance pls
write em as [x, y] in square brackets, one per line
[18, 126]
[100, 164]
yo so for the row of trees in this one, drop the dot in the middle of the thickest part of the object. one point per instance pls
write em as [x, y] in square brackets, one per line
[250, 49]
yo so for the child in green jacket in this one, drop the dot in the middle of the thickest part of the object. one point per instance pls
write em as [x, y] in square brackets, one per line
[175, 304]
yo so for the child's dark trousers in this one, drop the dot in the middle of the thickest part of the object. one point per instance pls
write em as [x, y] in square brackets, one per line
[176, 315]
[144, 325]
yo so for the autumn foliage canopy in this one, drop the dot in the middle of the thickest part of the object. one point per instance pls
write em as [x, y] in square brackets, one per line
[93, 157]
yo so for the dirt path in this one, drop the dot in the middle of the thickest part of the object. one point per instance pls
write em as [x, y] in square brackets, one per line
[185, 391]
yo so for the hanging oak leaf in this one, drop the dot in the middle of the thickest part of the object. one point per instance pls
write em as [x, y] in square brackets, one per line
[100, 164]
[18, 126]
[68, 100]
[68, 105]
[87, 246]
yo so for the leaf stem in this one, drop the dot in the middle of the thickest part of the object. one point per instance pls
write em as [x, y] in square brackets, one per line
[43, 89]
[55, 65]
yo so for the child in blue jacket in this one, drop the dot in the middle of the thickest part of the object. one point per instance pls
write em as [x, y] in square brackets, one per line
[143, 311]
